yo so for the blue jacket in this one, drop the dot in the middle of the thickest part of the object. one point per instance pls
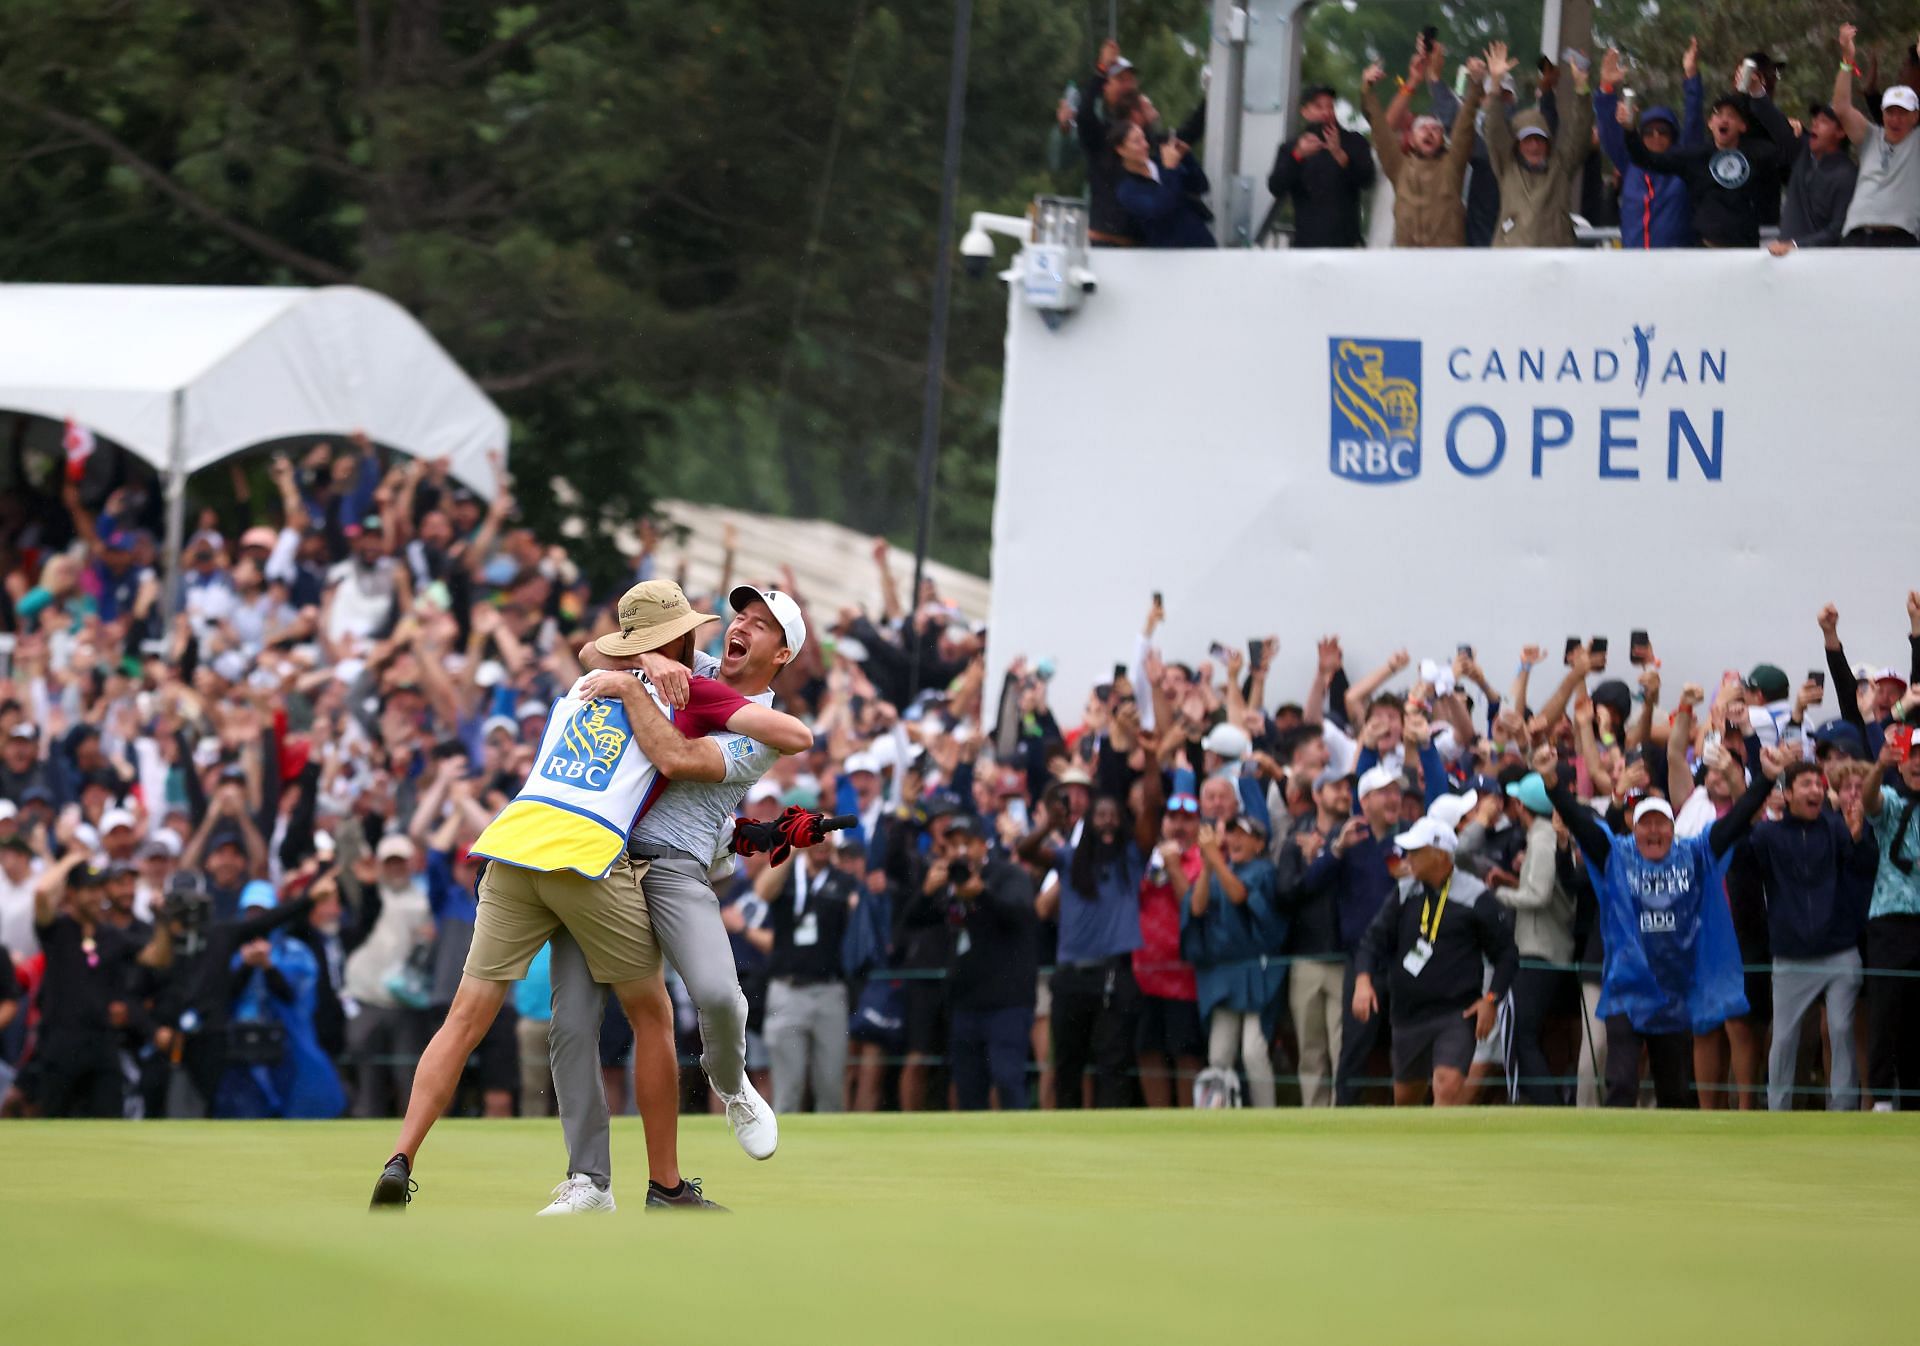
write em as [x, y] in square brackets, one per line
[1167, 213]
[303, 1083]
[1235, 948]
[1655, 210]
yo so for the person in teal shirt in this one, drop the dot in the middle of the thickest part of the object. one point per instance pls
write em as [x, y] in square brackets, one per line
[1232, 931]
[1893, 932]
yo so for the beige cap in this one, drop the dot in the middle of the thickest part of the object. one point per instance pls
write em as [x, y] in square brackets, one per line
[652, 615]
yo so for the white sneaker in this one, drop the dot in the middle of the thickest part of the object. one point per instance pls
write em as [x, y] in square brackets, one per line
[578, 1196]
[752, 1121]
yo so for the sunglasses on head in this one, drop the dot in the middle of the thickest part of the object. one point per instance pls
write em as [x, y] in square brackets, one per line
[1183, 806]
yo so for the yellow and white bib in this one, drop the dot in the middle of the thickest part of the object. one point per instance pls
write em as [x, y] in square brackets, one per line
[589, 782]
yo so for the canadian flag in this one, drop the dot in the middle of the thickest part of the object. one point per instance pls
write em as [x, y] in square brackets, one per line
[78, 441]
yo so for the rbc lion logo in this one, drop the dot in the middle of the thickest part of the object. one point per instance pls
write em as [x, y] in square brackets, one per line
[590, 744]
[1375, 408]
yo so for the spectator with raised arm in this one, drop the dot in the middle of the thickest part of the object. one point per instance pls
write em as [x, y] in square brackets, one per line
[1536, 166]
[1816, 920]
[1820, 189]
[1430, 173]
[1891, 797]
[1316, 979]
[1727, 179]
[1160, 190]
[1232, 931]
[1885, 210]
[1655, 209]
[1672, 961]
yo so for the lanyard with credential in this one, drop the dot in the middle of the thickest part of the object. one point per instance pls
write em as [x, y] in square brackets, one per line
[1432, 933]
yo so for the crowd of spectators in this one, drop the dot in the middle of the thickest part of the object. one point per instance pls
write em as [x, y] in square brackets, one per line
[1460, 163]
[234, 878]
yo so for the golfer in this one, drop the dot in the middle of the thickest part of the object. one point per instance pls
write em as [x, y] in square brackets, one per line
[558, 853]
[680, 839]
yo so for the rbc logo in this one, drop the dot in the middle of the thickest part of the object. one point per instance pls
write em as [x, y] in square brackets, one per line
[1374, 390]
[589, 746]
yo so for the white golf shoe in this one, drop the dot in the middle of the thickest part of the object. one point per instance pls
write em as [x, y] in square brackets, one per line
[753, 1122]
[578, 1196]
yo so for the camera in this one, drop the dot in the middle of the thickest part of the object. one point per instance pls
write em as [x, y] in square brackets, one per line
[959, 871]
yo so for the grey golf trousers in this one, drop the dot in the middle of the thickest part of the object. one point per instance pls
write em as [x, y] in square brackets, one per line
[686, 920]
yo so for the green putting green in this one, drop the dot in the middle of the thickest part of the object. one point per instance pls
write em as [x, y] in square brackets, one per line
[1482, 1225]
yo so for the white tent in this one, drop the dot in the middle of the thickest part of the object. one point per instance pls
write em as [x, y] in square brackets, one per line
[184, 376]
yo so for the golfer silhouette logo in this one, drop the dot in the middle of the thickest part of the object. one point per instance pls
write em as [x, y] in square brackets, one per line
[1643, 364]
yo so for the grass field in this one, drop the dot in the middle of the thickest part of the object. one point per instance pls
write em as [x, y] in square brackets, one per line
[1485, 1225]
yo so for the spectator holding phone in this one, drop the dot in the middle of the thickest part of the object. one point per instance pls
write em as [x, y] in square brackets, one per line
[1160, 191]
[1655, 208]
[1726, 179]
[1232, 932]
[1429, 174]
[1324, 173]
[1169, 1045]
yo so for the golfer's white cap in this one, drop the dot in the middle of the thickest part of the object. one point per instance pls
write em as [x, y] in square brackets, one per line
[1646, 806]
[785, 611]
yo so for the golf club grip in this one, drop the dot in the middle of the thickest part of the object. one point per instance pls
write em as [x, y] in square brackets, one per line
[840, 822]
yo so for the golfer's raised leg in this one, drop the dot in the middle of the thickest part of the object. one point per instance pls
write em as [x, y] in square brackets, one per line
[686, 921]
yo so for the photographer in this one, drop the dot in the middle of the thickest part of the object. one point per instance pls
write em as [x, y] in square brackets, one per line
[196, 952]
[995, 970]
[276, 1067]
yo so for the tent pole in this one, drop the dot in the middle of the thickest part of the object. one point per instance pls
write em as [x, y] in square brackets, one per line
[176, 491]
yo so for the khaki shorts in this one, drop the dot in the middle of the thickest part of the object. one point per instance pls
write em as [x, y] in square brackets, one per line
[521, 908]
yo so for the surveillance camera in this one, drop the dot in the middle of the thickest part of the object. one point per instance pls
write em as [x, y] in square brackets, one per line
[977, 248]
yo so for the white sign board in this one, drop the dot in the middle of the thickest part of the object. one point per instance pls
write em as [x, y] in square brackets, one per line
[1417, 450]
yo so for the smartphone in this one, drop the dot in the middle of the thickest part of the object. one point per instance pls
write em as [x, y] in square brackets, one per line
[1901, 737]
[1158, 601]
[1818, 675]
[1637, 647]
[1256, 648]
[1464, 648]
[1635, 755]
[1217, 652]
[1119, 672]
[1573, 643]
[1017, 810]
[1598, 645]
[1428, 36]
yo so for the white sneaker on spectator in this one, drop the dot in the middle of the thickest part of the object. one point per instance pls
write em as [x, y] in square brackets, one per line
[578, 1196]
[753, 1122]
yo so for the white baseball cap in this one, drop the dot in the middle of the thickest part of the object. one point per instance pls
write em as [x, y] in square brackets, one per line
[1646, 806]
[860, 761]
[394, 846]
[8, 809]
[1900, 96]
[1427, 834]
[113, 818]
[1450, 810]
[785, 611]
[1376, 778]
[762, 789]
[1227, 740]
